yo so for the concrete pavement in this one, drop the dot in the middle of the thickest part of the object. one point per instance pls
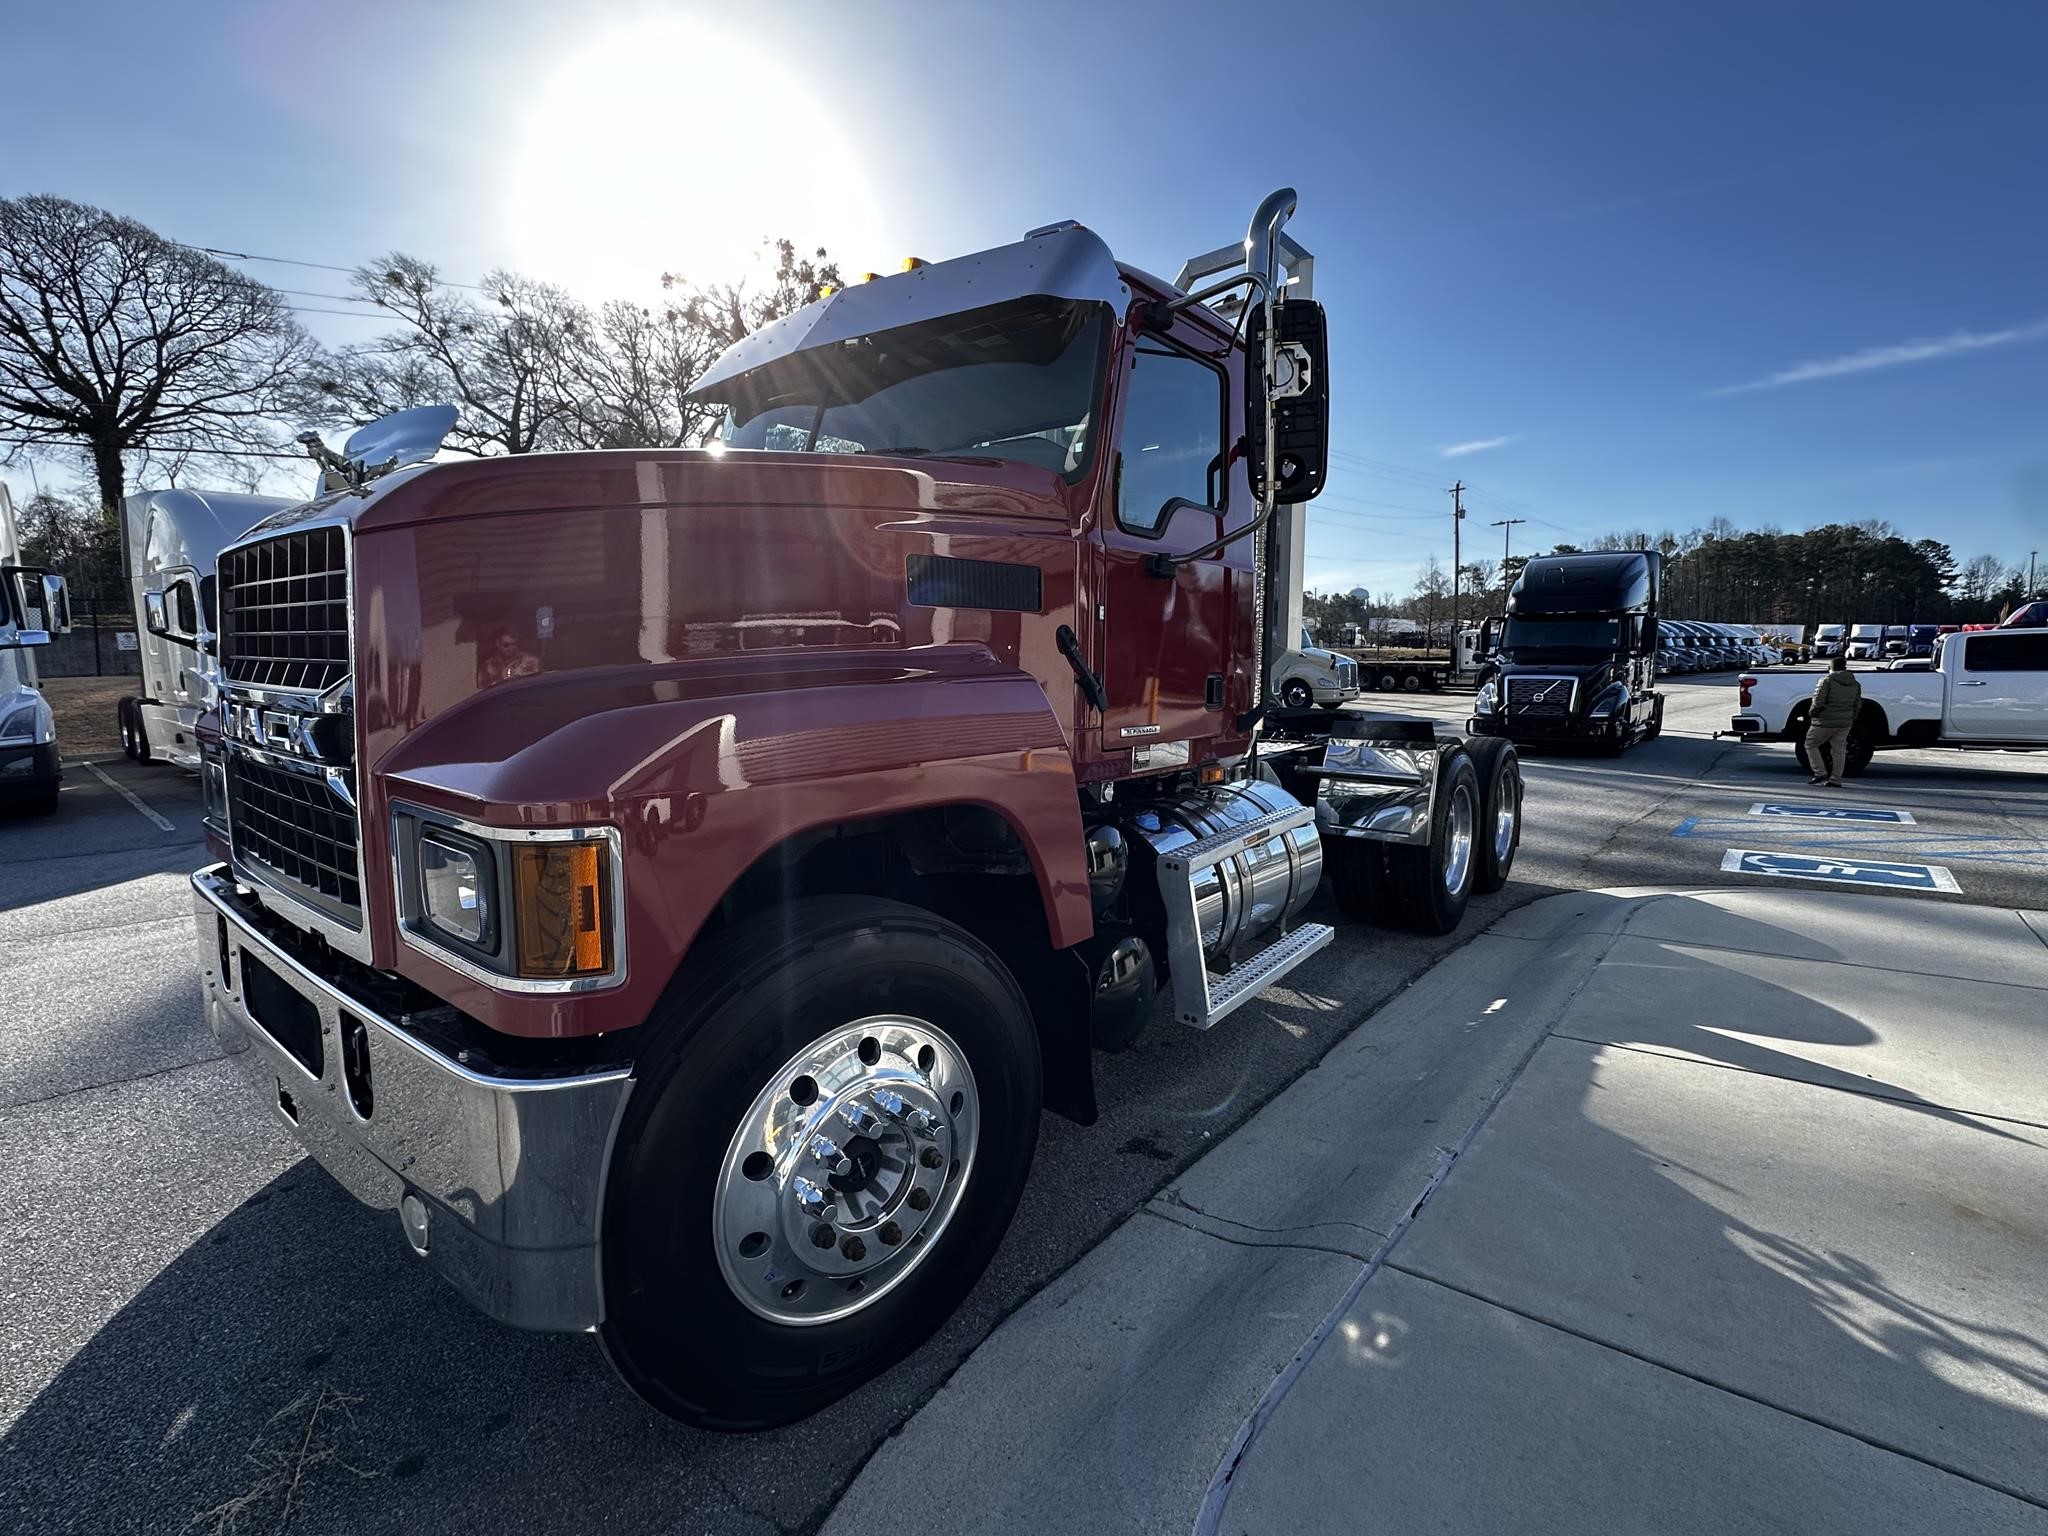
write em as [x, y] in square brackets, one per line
[1678, 1210]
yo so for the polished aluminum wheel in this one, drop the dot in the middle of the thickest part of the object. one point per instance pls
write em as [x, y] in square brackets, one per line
[1458, 840]
[1504, 817]
[845, 1170]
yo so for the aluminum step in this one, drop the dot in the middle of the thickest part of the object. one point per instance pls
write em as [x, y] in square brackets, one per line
[1198, 856]
[1250, 977]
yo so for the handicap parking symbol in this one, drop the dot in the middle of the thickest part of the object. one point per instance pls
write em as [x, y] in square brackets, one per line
[1866, 813]
[1884, 873]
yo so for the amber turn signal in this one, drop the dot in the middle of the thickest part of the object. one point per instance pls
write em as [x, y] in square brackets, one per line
[560, 896]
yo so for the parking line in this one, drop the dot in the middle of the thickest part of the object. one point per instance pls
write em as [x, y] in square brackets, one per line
[97, 772]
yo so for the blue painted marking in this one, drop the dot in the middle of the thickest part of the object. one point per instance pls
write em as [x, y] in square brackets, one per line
[1844, 871]
[1684, 828]
[1833, 813]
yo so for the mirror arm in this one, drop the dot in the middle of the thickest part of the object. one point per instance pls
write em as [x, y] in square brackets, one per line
[1163, 565]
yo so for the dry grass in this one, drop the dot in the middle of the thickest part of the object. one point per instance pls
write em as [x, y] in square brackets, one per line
[85, 713]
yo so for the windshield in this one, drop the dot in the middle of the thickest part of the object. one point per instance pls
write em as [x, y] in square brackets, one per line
[1561, 634]
[1016, 381]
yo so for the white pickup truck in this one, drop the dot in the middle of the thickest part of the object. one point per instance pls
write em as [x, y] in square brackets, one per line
[1987, 689]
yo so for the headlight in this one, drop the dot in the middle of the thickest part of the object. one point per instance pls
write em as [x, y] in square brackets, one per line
[1611, 698]
[541, 913]
[1486, 700]
[28, 721]
[455, 887]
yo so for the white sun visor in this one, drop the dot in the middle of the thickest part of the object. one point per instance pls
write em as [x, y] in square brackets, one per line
[1063, 262]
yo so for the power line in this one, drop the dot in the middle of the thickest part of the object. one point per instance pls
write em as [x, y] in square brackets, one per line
[318, 266]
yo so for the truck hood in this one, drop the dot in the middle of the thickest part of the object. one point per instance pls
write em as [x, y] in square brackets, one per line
[562, 483]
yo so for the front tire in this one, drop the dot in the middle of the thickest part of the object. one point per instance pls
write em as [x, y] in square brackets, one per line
[1295, 694]
[880, 1028]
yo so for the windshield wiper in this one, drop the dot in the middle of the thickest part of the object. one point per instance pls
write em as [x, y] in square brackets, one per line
[935, 453]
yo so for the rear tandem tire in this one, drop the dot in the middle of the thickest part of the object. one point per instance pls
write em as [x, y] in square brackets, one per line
[1499, 768]
[1400, 885]
[747, 1007]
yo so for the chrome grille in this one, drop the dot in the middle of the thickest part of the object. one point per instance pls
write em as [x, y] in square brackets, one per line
[284, 611]
[1541, 698]
[1347, 674]
[299, 831]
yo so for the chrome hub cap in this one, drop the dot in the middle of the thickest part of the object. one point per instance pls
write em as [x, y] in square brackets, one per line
[845, 1169]
[1458, 841]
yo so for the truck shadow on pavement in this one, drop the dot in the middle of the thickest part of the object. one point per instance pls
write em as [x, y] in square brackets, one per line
[1777, 1230]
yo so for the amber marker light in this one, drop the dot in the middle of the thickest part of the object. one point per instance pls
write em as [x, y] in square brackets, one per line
[560, 897]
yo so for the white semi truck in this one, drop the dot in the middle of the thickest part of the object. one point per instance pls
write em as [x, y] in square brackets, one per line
[172, 539]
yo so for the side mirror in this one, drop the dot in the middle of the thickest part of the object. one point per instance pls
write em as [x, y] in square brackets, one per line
[1298, 395]
[1649, 641]
[156, 615]
[34, 605]
[1489, 637]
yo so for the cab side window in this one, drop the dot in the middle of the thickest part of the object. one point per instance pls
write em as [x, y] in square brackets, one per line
[1172, 446]
[2005, 653]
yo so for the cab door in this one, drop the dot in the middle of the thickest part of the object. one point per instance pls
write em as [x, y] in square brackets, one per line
[2000, 692]
[1171, 657]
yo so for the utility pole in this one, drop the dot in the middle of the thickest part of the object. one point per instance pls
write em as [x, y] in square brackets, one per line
[2032, 555]
[1507, 531]
[1457, 526]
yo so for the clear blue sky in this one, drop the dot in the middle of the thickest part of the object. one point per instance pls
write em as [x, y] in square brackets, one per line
[1568, 232]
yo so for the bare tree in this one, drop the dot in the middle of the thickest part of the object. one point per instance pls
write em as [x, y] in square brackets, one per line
[725, 312]
[531, 369]
[507, 361]
[634, 380]
[1980, 578]
[115, 340]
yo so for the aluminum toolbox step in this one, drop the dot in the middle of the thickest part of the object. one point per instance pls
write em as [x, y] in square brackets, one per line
[1201, 996]
[1251, 977]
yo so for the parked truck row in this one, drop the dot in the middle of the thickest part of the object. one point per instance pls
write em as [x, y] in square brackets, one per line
[674, 882]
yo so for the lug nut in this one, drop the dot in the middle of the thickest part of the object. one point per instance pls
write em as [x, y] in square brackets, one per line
[888, 1101]
[924, 1122]
[931, 1157]
[825, 1150]
[861, 1120]
[890, 1233]
[811, 1200]
[822, 1236]
[919, 1199]
[854, 1249]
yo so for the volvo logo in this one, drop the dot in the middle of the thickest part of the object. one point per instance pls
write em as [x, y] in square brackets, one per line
[1547, 690]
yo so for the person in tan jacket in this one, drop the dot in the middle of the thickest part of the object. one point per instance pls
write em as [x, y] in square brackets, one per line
[1836, 699]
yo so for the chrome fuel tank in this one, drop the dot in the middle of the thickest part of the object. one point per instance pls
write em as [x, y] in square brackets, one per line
[1250, 891]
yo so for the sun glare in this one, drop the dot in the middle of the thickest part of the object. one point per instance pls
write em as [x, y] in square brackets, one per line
[666, 147]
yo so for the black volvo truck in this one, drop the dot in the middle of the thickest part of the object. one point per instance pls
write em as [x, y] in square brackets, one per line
[1576, 656]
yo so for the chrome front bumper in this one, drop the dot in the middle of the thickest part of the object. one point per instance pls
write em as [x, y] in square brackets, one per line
[509, 1172]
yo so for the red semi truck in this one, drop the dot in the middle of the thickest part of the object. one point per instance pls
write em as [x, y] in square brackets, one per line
[675, 882]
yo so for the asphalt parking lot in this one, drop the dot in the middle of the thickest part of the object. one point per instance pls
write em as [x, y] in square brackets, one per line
[205, 1332]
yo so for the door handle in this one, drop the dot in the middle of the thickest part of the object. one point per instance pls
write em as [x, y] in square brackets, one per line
[1969, 685]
